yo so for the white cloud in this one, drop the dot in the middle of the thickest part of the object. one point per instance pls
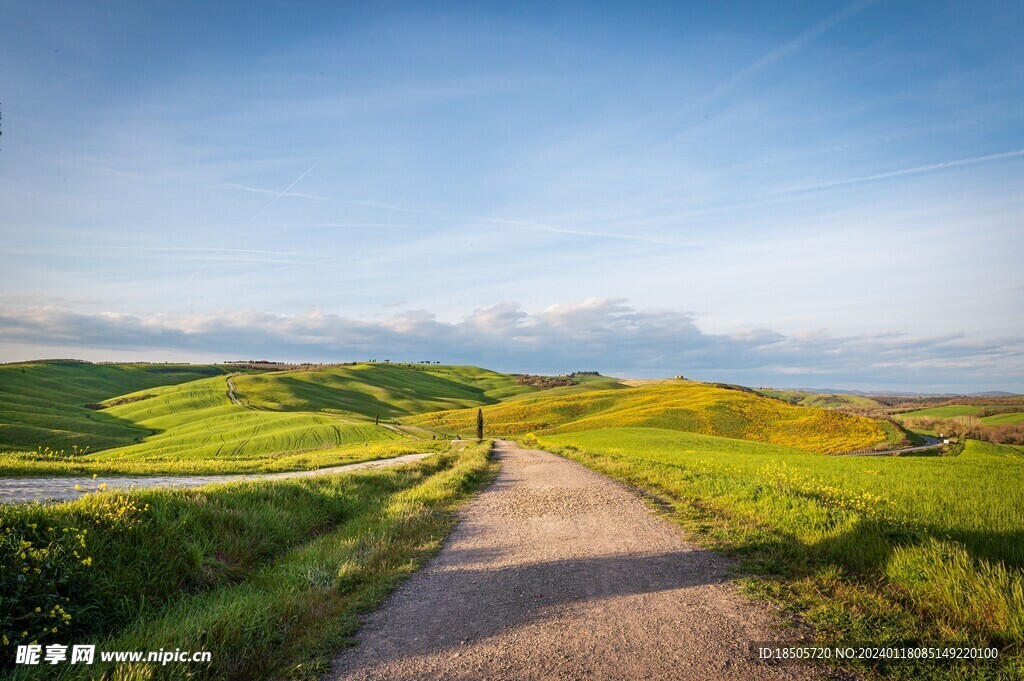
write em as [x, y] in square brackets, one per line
[604, 334]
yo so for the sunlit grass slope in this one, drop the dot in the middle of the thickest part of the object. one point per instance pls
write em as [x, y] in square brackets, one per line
[891, 550]
[943, 412]
[286, 420]
[692, 407]
[369, 390]
[824, 401]
[1002, 419]
[194, 427]
[585, 384]
[197, 420]
[42, 404]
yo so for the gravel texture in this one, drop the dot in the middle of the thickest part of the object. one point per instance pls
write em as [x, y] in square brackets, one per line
[557, 572]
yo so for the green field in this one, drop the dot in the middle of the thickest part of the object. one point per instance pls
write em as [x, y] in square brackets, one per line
[42, 404]
[1001, 419]
[692, 407]
[884, 549]
[946, 412]
[821, 400]
[173, 419]
[952, 411]
[369, 390]
[194, 427]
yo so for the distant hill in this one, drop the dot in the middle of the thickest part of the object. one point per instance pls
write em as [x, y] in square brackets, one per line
[148, 410]
[691, 407]
[895, 393]
[822, 400]
[392, 390]
[43, 404]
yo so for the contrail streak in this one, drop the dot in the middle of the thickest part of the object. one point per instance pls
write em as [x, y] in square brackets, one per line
[786, 49]
[916, 170]
[249, 222]
[520, 225]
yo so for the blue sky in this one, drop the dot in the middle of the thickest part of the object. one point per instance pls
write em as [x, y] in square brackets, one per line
[805, 194]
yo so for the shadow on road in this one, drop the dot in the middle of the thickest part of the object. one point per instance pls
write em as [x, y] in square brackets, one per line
[469, 605]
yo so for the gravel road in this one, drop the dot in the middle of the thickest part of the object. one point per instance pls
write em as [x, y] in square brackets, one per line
[929, 443]
[21, 490]
[557, 572]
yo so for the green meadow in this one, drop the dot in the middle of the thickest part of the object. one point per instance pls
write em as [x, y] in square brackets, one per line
[42, 404]
[888, 550]
[371, 390]
[1001, 419]
[824, 401]
[944, 412]
[170, 419]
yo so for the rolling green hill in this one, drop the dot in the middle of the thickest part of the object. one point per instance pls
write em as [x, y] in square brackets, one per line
[160, 418]
[944, 412]
[691, 407]
[42, 404]
[368, 390]
[821, 400]
[198, 421]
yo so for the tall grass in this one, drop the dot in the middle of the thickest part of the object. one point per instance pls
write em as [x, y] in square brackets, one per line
[269, 577]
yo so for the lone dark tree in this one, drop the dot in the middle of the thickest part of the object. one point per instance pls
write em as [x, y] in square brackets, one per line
[376, 420]
[479, 424]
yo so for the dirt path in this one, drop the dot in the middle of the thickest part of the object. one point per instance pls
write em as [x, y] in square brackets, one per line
[21, 490]
[556, 572]
[231, 393]
[929, 443]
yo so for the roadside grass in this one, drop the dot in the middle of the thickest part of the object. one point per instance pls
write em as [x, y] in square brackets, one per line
[691, 407]
[884, 551]
[269, 577]
[35, 464]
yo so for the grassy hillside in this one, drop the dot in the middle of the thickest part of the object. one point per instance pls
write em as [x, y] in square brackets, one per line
[945, 412]
[585, 384]
[691, 407]
[42, 404]
[368, 390]
[865, 549]
[194, 427]
[952, 411]
[286, 419]
[820, 400]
